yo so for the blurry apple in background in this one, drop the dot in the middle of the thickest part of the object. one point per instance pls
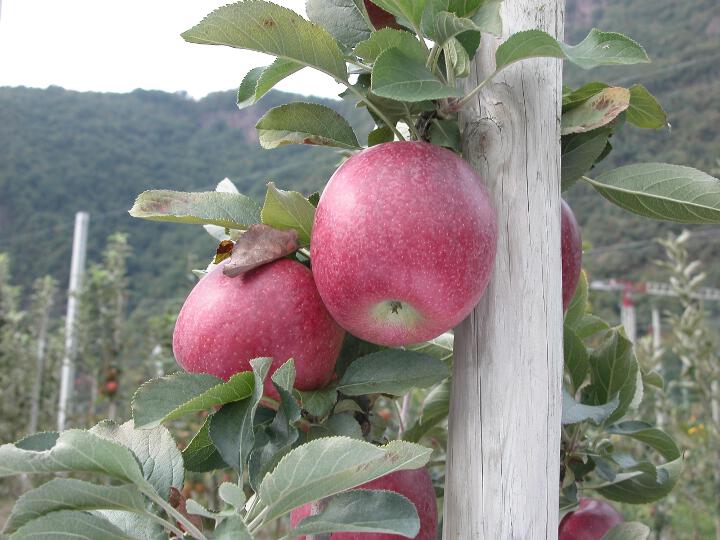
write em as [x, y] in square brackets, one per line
[403, 242]
[379, 17]
[414, 484]
[590, 522]
[273, 311]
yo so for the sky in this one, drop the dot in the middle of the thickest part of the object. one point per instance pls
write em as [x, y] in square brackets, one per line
[118, 46]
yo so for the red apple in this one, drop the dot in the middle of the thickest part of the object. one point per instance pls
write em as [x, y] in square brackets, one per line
[590, 522]
[415, 484]
[272, 311]
[571, 249]
[111, 387]
[403, 242]
[379, 17]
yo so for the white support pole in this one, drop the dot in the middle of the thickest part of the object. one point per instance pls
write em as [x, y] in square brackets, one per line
[503, 470]
[77, 268]
[627, 313]
[657, 330]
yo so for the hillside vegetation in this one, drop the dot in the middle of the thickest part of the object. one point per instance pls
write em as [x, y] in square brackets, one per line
[65, 151]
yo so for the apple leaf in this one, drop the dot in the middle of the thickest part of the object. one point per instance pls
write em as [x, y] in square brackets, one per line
[80, 525]
[440, 347]
[380, 135]
[446, 133]
[487, 17]
[230, 210]
[435, 409]
[172, 396]
[441, 26]
[633, 530]
[580, 151]
[409, 10]
[362, 511]
[305, 123]
[391, 371]
[642, 486]
[403, 77]
[578, 305]
[260, 245]
[232, 528]
[200, 455]
[288, 210]
[265, 27]
[385, 39]
[259, 81]
[318, 403]
[301, 477]
[597, 111]
[653, 437]
[662, 191]
[70, 494]
[155, 449]
[576, 357]
[644, 110]
[344, 19]
[574, 412]
[574, 98]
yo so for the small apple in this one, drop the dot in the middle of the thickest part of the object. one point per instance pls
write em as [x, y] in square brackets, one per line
[590, 522]
[379, 17]
[571, 250]
[414, 484]
[273, 311]
[111, 387]
[403, 242]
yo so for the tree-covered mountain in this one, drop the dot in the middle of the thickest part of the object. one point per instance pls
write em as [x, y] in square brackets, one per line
[63, 151]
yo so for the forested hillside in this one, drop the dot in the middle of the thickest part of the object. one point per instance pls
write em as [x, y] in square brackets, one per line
[64, 151]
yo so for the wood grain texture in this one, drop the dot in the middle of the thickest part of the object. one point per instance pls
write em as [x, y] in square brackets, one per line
[503, 458]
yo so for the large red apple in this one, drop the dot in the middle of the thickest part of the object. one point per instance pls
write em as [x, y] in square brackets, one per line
[571, 244]
[415, 484]
[590, 522]
[272, 311]
[403, 242]
[379, 17]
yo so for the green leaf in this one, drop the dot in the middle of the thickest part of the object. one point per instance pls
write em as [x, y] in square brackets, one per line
[305, 123]
[440, 347]
[653, 437]
[230, 210]
[597, 49]
[456, 58]
[144, 526]
[399, 76]
[38, 442]
[614, 373]
[574, 98]
[580, 152]
[259, 81]
[172, 396]
[391, 371]
[155, 449]
[266, 27]
[288, 210]
[200, 455]
[576, 357]
[487, 18]
[385, 39]
[597, 111]
[75, 450]
[662, 191]
[642, 487]
[231, 429]
[574, 412]
[276, 439]
[232, 494]
[578, 304]
[380, 135]
[344, 19]
[78, 525]
[69, 494]
[232, 528]
[410, 10]
[628, 531]
[363, 510]
[441, 26]
[590, 325]
[318, 403]
[435, 409]
[605, 48]
[328, 466]
[653, 378]
[338, 425]
[446, 133]
[644, 110]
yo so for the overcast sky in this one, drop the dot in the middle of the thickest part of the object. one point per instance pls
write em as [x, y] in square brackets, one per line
[118, 46]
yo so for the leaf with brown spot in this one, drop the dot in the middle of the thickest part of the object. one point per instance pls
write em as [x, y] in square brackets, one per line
[260, 245]
[599, 110]
[223, 251]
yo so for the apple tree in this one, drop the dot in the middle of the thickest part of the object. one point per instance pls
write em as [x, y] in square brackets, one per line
[318, 347]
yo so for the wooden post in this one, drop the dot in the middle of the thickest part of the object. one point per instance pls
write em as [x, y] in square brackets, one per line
[503, 470]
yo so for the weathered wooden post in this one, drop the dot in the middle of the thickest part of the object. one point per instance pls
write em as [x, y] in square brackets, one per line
[504, 443]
